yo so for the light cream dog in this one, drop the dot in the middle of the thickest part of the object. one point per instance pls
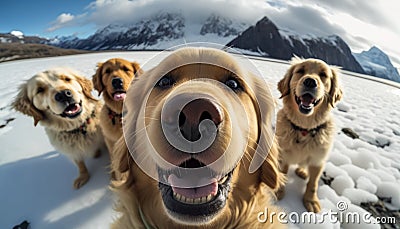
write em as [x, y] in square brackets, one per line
[61, 101]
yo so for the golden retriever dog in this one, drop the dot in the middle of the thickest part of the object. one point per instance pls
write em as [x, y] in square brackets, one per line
[113, 77]
[305, 128]
[173, 181]
[61, 101]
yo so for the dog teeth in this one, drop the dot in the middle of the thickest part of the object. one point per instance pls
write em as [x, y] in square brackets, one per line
[307, 107]
[209, 198]
[187, 200]
[177, 196]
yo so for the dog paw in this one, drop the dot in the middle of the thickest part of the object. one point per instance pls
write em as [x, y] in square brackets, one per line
[312, 204]
[280, 193]
[81, 180]
[300, 172]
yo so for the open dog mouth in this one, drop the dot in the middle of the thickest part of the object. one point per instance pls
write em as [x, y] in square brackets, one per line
[72, 110]
[119, 95]
[187, 201]
[306, 102]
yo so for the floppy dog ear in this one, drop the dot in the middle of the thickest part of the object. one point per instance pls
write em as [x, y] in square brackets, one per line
[335, 94]
[284, 84]
[123, 162]
[86, 85]
[266, 155]
[270, 172]
[24, 105]
[120, 164]
[97, 79]
[136, 69]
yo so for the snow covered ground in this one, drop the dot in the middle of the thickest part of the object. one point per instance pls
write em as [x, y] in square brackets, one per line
[36, 181]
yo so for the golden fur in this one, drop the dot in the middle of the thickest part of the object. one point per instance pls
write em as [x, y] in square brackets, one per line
[36, 98]
[250, 192]
[298, 146]
[102, 80]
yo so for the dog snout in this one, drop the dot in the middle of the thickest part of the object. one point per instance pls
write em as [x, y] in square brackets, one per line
[117, 83]
[194, 113]
[310, 83]
[64, 96]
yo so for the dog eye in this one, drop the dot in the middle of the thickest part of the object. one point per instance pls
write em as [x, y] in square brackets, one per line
[125, 69]
[39, 90]
[322, 74]
[165, 82]
[300, 71]
[67, 79]
[108, 71]
[233, 84]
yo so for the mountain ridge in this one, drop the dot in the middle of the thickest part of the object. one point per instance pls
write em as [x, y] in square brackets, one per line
[159, 31]
[167, 29]
[375, 62]
[265, 36]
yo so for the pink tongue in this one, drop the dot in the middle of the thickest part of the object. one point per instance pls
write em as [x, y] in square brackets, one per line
[73, 109]
[211, 188]
[307, 100]
[119, 96]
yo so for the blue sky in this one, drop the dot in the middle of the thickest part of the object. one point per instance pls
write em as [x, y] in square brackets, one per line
[34, 17]
[362, 24]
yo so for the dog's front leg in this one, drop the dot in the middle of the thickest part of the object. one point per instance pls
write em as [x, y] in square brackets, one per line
[83, 174]
[281, 191]
[310, 198]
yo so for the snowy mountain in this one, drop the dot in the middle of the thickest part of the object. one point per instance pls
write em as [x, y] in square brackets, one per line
[64, 41]
[221, 26]
[35, 180]
[19, 37]
[17, 34]
[167, 29]
[266, 39]
[159, 31]
[147, 32]
[15, 45]
[375, 62]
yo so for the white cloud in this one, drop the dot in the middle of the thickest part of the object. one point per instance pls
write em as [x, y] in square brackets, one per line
[304, 19]
[124, 11]
[62, 20]
[379, 13]
[360, 23]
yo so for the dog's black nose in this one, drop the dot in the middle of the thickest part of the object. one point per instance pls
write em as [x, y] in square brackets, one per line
[193, 113]
[63, 96]
[117, 83]
[310, 83]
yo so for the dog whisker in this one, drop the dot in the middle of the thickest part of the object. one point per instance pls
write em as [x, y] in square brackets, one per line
[136, 133]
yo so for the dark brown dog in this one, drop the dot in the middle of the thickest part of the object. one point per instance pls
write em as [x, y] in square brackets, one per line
[112, 79]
